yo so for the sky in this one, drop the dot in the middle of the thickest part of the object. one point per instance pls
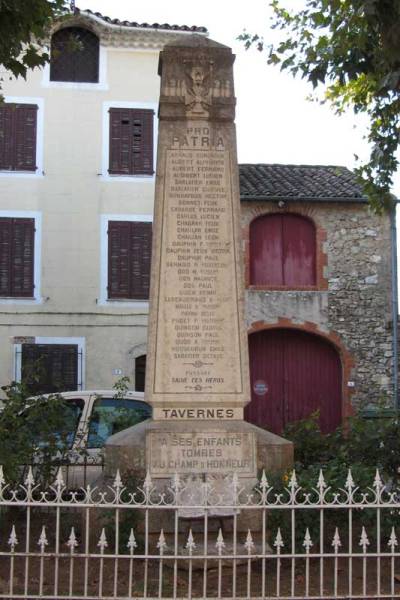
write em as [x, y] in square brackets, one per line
[275, 123]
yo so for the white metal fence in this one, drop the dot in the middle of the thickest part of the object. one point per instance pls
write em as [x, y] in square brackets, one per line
[199, 539]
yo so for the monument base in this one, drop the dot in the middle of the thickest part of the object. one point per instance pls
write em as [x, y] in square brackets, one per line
[193, 448]
[205, 451]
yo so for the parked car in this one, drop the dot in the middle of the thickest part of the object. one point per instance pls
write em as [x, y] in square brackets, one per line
[93, 416]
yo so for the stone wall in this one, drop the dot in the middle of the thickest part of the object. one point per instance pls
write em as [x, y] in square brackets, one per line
[355, 311]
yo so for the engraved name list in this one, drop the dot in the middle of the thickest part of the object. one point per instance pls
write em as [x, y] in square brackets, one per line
[196, 315]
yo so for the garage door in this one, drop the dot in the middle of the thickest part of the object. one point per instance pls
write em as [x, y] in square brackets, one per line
[293, 374]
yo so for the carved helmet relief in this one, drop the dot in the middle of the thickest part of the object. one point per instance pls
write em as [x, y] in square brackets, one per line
[197, 89]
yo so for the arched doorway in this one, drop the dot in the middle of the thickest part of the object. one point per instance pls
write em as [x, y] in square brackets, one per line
[293, 373]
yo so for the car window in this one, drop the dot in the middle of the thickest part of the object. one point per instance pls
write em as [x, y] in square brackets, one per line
[110, 415]
[71, 415]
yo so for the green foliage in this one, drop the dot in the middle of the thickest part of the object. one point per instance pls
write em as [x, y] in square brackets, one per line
[373, 443]
[362, 445]
[352, 47]
[33, 431]
[23, 28]
[121, 386]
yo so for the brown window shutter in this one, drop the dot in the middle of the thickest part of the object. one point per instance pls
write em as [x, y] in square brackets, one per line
[129, 258]
[120, 142]
[141, 237]
[7, 136]
[131, 141]
[118, 259]
[64, 366]
[17, 242]
[5, 256]
[48, 368]
[18, 129]
[22, 260]
[143, 142]
[25, 137]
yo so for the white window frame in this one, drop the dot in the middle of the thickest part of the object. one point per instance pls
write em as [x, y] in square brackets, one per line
[103, 297]
[37, 260]
[102, 84]
[105, 150]
[79, 341]
[39, 137]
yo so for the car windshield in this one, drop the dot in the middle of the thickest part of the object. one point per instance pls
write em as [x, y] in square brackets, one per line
[111, 415]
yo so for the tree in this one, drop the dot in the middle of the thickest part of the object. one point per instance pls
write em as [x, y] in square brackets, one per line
[23, 28]
[34, 432]
[352, 48]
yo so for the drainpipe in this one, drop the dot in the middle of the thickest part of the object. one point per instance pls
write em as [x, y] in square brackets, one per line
[394, 304]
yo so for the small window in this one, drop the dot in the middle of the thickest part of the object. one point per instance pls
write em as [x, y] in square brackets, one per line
[17, 240]
[111, 415]
[74, 55]
[18, 130]
[282, 251]
[129, 258]
[131, 141]
[49, 368]
[140, 372]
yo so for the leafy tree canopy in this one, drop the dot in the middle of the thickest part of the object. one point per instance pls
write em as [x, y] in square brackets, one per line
[352, 48]
[23, 27]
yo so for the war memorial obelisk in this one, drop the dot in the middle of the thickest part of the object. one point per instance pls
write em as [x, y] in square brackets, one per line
[197, 378]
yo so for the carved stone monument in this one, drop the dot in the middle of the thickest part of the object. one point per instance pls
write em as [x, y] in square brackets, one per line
[197, 377]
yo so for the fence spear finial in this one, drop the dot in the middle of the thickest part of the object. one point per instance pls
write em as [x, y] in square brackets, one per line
[392, 543]
[13, 540]
[132, 544]
[72, 541]
[43, 541]
[220, 544]
[190, 544]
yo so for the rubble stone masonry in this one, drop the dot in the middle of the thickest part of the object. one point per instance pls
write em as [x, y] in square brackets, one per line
[351, 304]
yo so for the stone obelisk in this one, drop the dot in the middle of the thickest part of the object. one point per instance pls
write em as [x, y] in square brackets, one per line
[197, 378]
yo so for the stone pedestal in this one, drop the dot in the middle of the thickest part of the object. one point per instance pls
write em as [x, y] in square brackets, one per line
[198, 452]
[162, 449]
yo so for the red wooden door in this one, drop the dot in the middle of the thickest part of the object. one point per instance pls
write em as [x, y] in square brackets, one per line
[293, 374]
[282, 250]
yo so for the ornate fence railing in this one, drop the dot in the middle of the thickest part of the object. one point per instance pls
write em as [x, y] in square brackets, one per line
[199, 539]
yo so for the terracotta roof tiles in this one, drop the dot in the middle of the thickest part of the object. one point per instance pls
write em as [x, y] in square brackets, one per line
[134, 24]
[299, 182]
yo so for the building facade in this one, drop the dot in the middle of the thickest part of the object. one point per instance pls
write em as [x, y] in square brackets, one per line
[77, 161]
[321, 294]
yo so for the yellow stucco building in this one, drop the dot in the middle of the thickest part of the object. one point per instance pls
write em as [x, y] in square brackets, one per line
[77, 161]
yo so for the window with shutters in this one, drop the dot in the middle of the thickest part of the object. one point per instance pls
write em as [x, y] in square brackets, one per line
[283, 251]
[131, 141]
[74, 55]
[17, 250]
[50, 368]
[129, 257]
[18, 135]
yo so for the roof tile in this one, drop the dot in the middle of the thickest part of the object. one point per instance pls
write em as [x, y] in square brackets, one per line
[133, 24]
[299, 182]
